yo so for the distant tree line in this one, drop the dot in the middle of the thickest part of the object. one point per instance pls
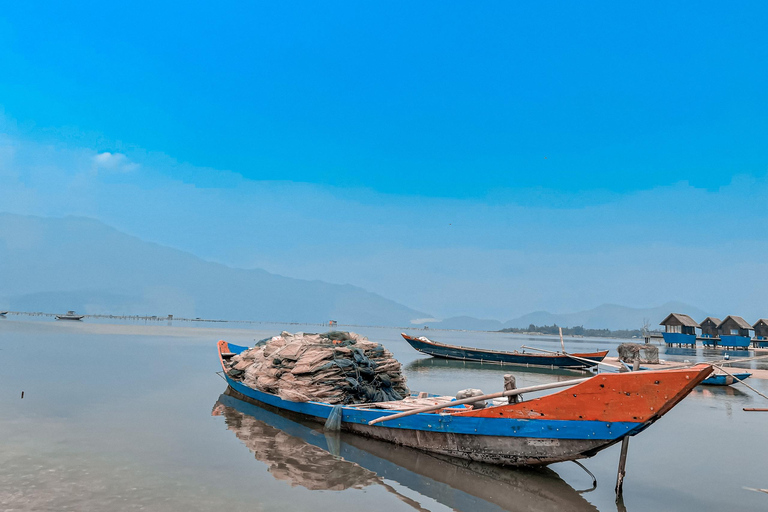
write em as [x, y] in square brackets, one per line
[579, 330]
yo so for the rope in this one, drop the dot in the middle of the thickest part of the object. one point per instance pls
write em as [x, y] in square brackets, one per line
[738, 379]
[594, 480]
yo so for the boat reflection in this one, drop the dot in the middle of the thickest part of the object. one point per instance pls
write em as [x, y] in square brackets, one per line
[718, 391]
[302, 454]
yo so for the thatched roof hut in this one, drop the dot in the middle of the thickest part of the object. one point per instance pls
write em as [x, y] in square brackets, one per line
[761, 329]
[677, 322]
[734, 326]
[709, 327]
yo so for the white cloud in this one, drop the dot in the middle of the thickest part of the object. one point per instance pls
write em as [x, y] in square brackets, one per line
[113, 163]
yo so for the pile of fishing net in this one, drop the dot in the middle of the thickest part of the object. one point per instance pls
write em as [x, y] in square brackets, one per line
[334, 367]
[628, 352]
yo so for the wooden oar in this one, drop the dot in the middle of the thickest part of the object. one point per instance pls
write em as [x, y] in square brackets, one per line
[739, 360]
[583, 359]
[511, 392]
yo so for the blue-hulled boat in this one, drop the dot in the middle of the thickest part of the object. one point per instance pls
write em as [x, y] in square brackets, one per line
[574, 423]
[724, 379]
[446, 351]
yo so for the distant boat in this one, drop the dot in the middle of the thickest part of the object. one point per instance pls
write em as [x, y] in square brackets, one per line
[446, 351]
[725, 380]
[71, 315]
[3, 313]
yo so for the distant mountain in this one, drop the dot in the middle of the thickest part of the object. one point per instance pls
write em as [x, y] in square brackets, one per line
[466, 323]
[53, 265]
[606, 316]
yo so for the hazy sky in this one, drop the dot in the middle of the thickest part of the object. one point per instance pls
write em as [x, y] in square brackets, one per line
[488, 159]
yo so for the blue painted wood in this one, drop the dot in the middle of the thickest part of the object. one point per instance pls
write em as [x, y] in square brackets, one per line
[505, 427]
[677, 338]
[734, 341]
[491, 356]
[722, 380]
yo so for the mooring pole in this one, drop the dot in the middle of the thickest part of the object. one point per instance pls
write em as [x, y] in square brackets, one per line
[622, 464]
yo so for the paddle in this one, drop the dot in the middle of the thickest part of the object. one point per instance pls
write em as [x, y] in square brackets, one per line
[511, 392]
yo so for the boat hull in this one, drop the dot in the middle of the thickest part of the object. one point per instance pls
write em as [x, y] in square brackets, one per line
[497, 357]
[567, 425]
[493, 449]
[724, 380]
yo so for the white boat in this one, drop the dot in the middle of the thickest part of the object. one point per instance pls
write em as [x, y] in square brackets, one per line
[71, 315]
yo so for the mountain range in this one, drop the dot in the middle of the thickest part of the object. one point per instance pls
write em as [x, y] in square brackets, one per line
[58, 264]
[606, 316]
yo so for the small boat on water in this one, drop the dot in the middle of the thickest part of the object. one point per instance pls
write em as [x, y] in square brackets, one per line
[71, 315]
[3, 313]
[555, 360]
[591, 415]
[725, 379]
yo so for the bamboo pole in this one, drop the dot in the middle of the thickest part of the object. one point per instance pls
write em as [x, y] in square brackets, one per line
[741, 360]
[511, 392]
[738, 379]
[562, 343]
[622, 468]
[584, 359]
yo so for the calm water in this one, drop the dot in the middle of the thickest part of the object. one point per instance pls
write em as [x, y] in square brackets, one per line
[133, 417]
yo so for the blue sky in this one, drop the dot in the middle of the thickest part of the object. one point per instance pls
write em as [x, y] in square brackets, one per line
[486, 159]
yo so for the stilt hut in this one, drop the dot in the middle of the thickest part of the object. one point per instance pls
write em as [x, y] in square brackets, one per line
[709, 331]
[679, 330]
[734, 332]
[761, 333]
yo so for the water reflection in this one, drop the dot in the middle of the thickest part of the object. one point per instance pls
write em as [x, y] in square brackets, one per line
[718, 391]
[432, 363]
[303, 455]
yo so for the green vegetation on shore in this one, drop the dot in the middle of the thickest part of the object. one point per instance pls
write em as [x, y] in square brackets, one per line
[576, 331]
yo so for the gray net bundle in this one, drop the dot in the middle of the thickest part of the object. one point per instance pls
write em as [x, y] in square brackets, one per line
[646, 353]
[335, 367]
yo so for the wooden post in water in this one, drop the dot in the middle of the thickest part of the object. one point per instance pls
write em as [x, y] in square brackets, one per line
[509, 384]
[622, 465]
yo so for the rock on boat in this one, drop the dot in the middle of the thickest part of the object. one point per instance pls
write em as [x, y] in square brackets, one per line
[570, 424]
[446, 351]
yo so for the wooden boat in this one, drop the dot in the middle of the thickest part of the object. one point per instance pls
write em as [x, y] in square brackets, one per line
[70, 316]
[444, 350]
[570, 424]
[725, 380]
